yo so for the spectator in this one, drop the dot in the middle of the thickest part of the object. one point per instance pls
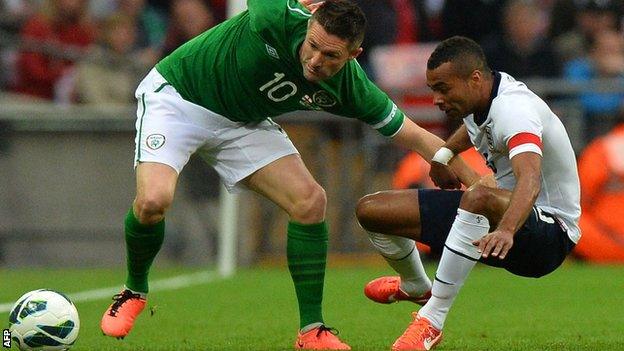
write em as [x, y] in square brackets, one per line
[520, 49]
[59, 32]
[189, 18]
[601, 172]
[151, 28]
[604, 61]
[109, 76]
[591, 17]
[398, 22]
[381, 31]
[219, 7]
[562, 17]
[100, 10]
[476, 19]
[12, 15]
[14, 12]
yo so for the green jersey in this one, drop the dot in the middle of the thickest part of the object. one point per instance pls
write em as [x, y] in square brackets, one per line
[248, 69]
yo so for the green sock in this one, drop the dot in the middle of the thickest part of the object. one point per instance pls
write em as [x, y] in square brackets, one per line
[306, 251]
[142, 244]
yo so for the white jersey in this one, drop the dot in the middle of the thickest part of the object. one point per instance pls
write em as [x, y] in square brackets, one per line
[519, 121]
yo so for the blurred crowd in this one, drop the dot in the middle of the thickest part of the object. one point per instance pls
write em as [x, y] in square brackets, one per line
[577, 41]
[61, 49]
[93, 51]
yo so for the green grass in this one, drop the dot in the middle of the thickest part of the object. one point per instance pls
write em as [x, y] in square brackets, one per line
[578, 307]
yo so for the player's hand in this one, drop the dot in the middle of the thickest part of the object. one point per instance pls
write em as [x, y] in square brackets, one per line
[311, 5]
[496, 243]
[443, 176]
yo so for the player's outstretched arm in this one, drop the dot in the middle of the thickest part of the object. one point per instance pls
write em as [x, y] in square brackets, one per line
[445, 159]
[416, 138]
[459, 141]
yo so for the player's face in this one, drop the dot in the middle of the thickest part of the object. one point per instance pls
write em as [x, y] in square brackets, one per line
[322, 54]
[457, 96]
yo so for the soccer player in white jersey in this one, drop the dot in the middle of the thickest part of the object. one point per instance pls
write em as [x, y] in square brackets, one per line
[526, 224]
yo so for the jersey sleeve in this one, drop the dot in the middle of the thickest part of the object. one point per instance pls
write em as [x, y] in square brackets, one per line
[277, 20]
[363, 100]
[517, 125]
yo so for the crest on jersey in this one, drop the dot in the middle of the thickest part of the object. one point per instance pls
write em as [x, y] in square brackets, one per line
[323, 99]
[155, 141]
[271, 51]
[489, 138]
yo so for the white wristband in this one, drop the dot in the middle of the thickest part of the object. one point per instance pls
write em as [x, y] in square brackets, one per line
[443, 156]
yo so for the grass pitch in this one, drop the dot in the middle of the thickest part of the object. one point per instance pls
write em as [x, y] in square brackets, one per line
[578, 307]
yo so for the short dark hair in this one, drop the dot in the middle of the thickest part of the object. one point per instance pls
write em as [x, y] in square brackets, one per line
[464, 53]
[342, 18]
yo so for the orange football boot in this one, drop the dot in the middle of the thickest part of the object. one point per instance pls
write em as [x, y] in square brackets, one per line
[388, 290]
[419, 335]
[320, 338]
[119, 317]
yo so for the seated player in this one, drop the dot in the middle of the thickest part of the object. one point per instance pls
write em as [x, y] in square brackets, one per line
[527, 224]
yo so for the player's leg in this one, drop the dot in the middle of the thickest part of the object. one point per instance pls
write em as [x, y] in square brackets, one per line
[145, 222]
[289, 184]
[392, 220]
[165, 139]
[262, 157]
[479, 207]
[144, 234]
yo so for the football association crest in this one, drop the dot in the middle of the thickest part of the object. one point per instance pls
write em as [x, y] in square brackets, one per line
[323, 99]
[155, 141]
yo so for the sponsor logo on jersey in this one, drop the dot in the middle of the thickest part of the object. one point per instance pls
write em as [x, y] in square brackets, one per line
[308, 103]
[155, 141]
[323, 99]
[271, 51]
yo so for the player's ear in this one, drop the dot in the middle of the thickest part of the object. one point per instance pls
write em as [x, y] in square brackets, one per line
[476, 76]
[355, 53]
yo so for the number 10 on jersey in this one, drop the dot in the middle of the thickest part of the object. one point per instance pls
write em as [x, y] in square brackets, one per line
[286, 88]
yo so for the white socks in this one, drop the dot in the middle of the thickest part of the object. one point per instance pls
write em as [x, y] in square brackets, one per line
[458, 258]
[309, 327]
[402, 255]
[143, 295]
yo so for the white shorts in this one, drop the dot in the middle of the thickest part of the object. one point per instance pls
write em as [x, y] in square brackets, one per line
[171, 129]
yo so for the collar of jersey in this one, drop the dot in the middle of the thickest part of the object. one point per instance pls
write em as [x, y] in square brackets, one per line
[479, 118]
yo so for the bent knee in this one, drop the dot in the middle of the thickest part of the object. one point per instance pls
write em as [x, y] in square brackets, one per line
[477, 199]
[150, 209]
[310, 205]
[368, 211]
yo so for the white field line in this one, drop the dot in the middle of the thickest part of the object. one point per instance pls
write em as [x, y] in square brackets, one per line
[173, 283]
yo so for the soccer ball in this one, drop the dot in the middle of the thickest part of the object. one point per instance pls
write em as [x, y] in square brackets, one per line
[44, 320]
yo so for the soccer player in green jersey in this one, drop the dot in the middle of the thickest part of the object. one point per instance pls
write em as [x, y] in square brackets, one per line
[214, 96]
